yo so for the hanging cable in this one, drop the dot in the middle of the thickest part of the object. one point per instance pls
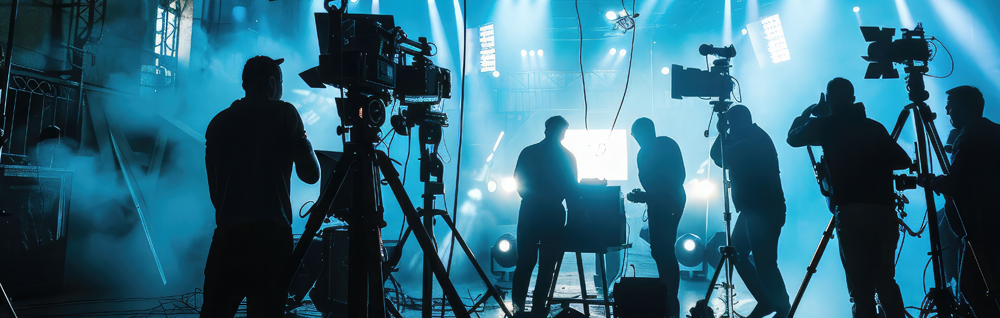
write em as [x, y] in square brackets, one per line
[583, 76]
[461, 125]
[628, 75]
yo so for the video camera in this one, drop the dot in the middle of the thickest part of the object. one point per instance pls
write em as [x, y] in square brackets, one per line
[692, 82]
[884, 51]
[367, 55]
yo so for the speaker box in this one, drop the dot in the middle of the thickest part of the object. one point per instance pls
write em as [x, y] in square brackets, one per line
[642, 297]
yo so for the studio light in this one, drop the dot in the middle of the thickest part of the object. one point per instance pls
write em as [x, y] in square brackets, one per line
[612, 52]
[476, 194]
[540, 53]
[354, 1]
[611, 15]
[621, 53]
[524, 53]
[509, 184]
[857, 9]
[491, 186]
[665, 70]
[496, 73]
[503, 254]
[532, 52]
[744, 31]
[690, 250]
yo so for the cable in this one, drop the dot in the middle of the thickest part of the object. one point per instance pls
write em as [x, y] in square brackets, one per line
[583, 76]
[307, 211]
[461, 128]
[409, 148]
[739, 88]
[628, 75]
[951, 57]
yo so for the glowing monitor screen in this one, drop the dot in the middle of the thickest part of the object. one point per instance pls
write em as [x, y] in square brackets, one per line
[600, 153]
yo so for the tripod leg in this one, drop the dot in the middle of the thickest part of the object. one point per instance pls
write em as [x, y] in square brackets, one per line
[423, 239]
[472, 257]
[827, 235]
[318, 212]
[8, 308]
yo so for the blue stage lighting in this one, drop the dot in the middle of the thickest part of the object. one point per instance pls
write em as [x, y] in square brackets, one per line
[690, 250]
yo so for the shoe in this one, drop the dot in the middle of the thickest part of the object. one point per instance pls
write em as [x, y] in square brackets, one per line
[760, 311]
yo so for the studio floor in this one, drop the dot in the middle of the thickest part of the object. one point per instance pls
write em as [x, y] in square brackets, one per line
[186, 305]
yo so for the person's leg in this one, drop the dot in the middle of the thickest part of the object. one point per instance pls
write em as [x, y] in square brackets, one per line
[527, 255]
[764, 231]
[742, 242]
[273, 248]
[855, 247]
[662, 234]
[222, 295]
[885, 259]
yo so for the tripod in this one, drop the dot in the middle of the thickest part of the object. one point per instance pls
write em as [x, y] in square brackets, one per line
[365, 167]
[701, 309]
[928, 140]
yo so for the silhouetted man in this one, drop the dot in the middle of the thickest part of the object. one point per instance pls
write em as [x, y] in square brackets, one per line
[546, 175]
[756, 191]
[661, 173]
[972, 183]
[861, 157]
[249, 151]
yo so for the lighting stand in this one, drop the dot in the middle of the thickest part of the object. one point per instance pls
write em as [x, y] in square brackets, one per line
[945, 304]
[368, 169]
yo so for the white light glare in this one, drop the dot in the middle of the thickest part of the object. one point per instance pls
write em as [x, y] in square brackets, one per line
[354, 1]
[857, 9]
[665, 70]
[744, 31]
[621, 53]
[701, 188]
[611, 15]
[612, 52]
[504, 246]
[532, 52]
[476, 194]
[689, 245]
[496, 73]
[540, 52]
[524, 53]
[491, 186]
[509, 184]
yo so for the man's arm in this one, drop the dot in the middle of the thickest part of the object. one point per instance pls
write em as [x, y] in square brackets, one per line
[804, 132]
[306, 164]
[716, 152]
[520, 177]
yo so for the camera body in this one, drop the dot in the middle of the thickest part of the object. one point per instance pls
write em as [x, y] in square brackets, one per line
[715, 82]
[369, 56]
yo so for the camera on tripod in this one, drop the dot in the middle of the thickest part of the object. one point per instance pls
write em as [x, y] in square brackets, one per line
[715, 82]
[368, 55]
[884, 51]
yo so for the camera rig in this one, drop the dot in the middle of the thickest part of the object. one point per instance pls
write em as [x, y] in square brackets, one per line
[374, 63]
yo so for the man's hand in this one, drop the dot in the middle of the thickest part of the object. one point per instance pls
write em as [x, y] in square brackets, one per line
[722, 124]
[636, 196]
[809, 110]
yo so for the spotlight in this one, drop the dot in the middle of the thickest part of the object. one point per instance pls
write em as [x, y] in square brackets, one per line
[612, 52]
[509, 184]
[621, 53]
[503, 254]
[611, 15]
[690, 250]
[857, 9]
[540, 53]
[532, 52]
[665, 70]
[354, 1]
[491, 186]
[476, 194]
[495, 74]
[744, 31]
[524, 53]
